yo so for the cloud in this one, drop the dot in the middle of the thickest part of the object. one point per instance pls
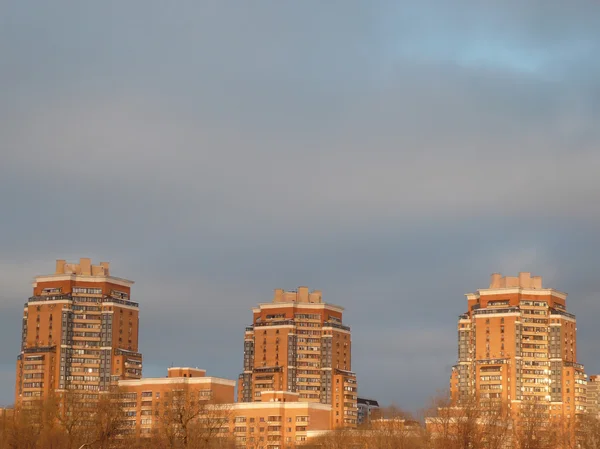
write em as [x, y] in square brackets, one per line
[421, 146]
[391, 154]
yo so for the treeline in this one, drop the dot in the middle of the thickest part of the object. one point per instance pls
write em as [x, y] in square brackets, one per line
[72, 421]
[472, 425]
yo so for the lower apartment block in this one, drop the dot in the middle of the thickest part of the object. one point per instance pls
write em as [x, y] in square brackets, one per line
[152, 403]
[279, 420]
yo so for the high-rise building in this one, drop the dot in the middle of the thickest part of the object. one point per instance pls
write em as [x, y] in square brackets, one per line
[593, 395]
[518, 344]
[298, 343]
[80, 332]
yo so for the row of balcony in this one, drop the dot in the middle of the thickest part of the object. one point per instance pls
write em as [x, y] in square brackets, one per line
[293, 323]
[69, 297]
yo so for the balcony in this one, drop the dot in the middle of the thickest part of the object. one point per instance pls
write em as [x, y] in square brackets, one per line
[336, 325]
[38, 350]
[35, 371]
[86, 362]
[563, 313]
[496, 310]
[63, 297]
[574, 365]
[81, 339]
[275, 323]
[120, 301]
[269, 369]
[121, 351]
[133, 363]
[89, 318]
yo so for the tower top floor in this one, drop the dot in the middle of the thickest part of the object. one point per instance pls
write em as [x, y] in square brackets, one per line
[82, 271]
[522, 286]
[84, 268]
[523, 280]
[302, 296]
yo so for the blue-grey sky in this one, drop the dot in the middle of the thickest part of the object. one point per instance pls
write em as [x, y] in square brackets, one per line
[391, 154]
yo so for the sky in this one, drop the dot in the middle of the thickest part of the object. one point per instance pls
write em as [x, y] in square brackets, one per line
[392, 154]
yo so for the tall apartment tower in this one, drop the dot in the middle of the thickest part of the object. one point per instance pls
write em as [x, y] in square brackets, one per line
[80, 332]
[298, 343]
[518, 344]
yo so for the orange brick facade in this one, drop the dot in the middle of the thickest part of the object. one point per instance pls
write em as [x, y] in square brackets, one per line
[518, 344]
[145, 401]
[298, 343]
[79, 332]
[279, 420]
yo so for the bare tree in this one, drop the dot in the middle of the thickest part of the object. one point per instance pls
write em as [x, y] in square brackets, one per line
[100, 423]
[391, 412]
[336, 439]
[393, 433]
[5, 423]
[76, 416]
[531, 427]
[562, 432]
[189, 422]
[470, 424]
[51, 434]
[26, 426]
[588, 432]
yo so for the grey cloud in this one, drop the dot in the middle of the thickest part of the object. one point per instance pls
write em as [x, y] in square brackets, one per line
[379, 156]
[391, 154]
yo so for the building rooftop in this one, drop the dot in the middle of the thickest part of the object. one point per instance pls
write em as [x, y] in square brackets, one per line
[84, 267]
[302, 295]
[523, 280]
[177, 375]
[301, 298]
[92, 273]
[178, 371]
[512, 284]
[365, 401]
